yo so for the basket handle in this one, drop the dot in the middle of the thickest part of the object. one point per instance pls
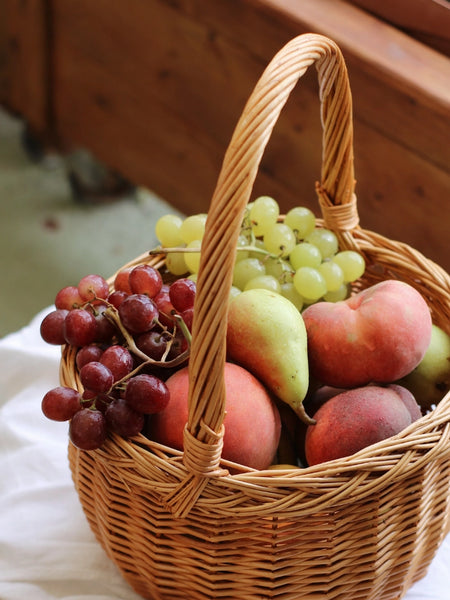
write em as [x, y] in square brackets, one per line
[204, 429]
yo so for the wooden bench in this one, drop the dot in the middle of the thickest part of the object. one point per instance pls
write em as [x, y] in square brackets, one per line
[154, 89]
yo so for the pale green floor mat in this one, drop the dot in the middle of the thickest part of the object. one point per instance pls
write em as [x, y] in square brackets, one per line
[48, 239]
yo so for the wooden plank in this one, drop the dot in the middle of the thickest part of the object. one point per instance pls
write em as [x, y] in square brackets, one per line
[425, 20]
[400, 85]
[3, 54]
[384, 50]
[402, 201]
[157, 90]
[191, 98]
[26, 61]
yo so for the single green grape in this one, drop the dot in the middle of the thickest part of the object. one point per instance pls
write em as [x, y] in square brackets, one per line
[288, 291]
[266, 282]
[279, 268]
[325, 240]
[351, 263]
[280, 240]
[241, 254]
[247, 269]
[333, 275]
[340, 294]
[258, 245]
[167, 230]
[301, 220]
[263, 213]
[192, 259]
[176, 264]
[305, 255]
[309, 283]
[193, 228]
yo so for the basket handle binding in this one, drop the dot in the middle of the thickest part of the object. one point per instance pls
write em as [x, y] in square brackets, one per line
[204, 430]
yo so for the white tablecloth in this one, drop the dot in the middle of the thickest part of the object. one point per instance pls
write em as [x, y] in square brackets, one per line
[47, 551]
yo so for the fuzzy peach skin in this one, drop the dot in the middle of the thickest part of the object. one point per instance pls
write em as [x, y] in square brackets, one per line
[378, 335]
[354, 420]
[408, 400]
[252, 421]
[323, 394]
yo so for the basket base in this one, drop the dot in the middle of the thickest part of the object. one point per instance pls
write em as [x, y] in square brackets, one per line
[374, 548]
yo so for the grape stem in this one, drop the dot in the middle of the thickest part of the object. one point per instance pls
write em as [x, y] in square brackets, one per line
[184, 249]
[163, 250]
[112, 314]
[184, 328]
[259, 251]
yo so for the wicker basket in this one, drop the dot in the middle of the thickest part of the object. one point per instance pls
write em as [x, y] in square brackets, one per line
[367, 526]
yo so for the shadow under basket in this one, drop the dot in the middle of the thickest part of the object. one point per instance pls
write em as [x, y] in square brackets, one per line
[179, 525]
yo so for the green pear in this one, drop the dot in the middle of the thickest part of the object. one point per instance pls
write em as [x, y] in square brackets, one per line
[266, 335]
[430, 380]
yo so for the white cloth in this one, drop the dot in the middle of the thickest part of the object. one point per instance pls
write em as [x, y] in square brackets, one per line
[47, 551]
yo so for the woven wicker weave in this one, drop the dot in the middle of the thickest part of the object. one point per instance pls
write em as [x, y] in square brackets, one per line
[365, 527]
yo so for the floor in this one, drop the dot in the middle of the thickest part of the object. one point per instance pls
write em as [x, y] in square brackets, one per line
[48, 239]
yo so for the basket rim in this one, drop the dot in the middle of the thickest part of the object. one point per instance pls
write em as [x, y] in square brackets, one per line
[298, 490]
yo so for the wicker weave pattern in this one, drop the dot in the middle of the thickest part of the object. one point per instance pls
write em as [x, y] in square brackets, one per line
[365, 527]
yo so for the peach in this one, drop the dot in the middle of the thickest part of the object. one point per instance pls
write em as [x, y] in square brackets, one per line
[378, 335]
[315, 399]
[252, 421]
[408, 400]
[325, 392]
[354, 419]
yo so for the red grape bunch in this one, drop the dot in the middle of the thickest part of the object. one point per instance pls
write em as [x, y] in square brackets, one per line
[128, 339]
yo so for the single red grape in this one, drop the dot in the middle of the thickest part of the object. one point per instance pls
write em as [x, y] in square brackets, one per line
[179, 345]
[116, 298]
[121, 280]
[52, 327]
[80, 327]
[96, 401]
[165, 309]
[123, 419]
[106, 329]
[87, 398]
[182, 293]
[61, 403]
[138, 313]
[89, 353]
[68, 298]
[118, 360]
[147, 394]
[96, 377]
[103, 401]
[87, 429]
[144, 279]
[93, 286]
[153, 343]
[188, 317]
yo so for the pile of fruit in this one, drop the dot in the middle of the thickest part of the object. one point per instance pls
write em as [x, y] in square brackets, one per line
[313, 372]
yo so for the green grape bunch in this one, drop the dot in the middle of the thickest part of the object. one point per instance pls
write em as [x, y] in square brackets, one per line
[292, 256]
